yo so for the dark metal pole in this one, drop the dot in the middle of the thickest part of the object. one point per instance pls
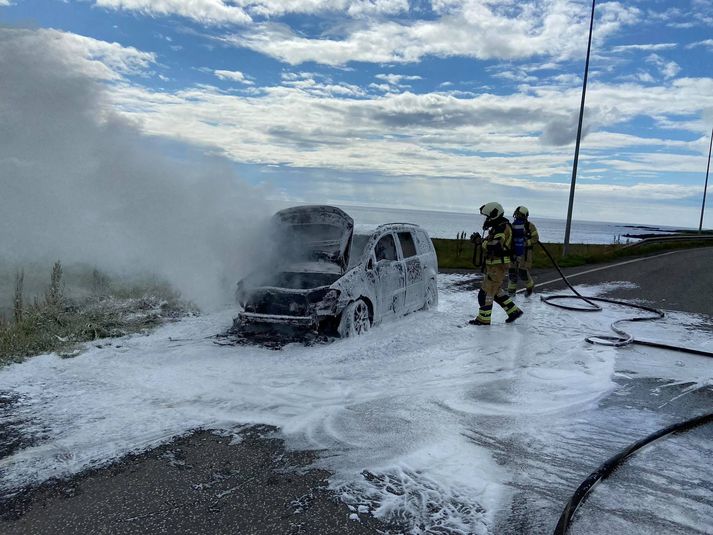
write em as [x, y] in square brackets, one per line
[705, 188]
[565, 247]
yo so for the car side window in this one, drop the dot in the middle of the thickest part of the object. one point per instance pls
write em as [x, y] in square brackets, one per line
[408, 247]
[424, 242]
[386, 248]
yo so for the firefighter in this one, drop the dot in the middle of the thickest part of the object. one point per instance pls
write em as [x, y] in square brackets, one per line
[496, 249]
[524, 237]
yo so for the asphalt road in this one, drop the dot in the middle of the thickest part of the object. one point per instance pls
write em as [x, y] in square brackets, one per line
[676, 280]
[203, 483]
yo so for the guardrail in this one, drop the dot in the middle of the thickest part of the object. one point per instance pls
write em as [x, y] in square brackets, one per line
[678, 237]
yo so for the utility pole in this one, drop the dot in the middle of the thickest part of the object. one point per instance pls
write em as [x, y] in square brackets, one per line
[565, 247]
[705, 188]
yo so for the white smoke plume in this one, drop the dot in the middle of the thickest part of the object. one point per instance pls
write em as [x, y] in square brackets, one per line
[80, 183]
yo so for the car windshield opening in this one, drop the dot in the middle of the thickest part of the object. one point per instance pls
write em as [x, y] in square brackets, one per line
[310, 242]
[359, 242]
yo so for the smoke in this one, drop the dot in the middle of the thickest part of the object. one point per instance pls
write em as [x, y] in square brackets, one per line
[80, 183]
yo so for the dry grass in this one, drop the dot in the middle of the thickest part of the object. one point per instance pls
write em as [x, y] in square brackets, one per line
[58, 323]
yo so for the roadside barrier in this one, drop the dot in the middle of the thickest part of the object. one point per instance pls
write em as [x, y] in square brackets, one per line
[676, 238]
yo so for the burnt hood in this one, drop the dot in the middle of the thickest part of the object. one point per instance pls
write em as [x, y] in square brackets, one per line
[316, 233]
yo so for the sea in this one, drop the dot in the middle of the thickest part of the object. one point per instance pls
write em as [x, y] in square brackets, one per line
[449, 224]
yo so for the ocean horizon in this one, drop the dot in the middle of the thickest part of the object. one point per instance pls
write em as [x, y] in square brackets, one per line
[448, 224]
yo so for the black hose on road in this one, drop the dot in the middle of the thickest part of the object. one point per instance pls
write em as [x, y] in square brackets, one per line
[622, 339]
[610, 465]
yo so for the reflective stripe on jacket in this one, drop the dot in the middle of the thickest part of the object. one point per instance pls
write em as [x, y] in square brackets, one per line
[497, 244]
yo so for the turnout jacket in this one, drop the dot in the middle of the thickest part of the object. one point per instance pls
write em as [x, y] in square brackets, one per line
[498, 243]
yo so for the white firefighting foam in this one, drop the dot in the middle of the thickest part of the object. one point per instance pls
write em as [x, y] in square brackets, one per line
[427, 421]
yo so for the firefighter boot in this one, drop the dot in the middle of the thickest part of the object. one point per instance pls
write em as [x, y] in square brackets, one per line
[483, 317]
[509, 307]
[512, 317]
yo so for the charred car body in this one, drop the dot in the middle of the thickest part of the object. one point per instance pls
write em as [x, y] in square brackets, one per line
[325, 275]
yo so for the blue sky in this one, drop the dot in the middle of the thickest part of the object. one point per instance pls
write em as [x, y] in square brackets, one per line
[437, 104]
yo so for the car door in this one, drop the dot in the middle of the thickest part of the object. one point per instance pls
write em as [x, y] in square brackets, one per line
[390, 277]
[415, 284]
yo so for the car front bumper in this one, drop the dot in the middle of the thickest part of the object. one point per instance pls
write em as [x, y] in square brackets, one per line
[253, 318]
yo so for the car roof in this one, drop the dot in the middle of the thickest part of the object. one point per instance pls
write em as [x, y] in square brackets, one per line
[367, 229]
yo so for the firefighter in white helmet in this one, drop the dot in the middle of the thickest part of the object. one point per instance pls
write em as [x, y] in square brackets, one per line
[524, 238]
[496, 249]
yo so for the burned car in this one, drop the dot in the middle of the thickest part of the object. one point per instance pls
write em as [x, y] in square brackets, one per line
[326, 275]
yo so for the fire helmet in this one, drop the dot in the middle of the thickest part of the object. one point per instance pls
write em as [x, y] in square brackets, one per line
[521, 211]
[492, 210]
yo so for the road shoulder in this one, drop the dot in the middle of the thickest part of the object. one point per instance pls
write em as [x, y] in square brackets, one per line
[201, 483]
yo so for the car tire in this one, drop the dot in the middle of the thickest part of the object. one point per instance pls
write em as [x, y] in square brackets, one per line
[355, 319]
[431, 298]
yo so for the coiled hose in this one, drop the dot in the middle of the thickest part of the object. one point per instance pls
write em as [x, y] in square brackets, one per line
[622, 339]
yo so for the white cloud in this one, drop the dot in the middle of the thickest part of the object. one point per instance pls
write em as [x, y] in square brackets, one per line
[645, 77]
[645, 47]
[567, 79]
[235, 76]
[204, 11]
[516, 75]
[307, 82]
[353, 8]
[668, 69]
[707, 43]
[302, 75]
[376, 7]
[474, 28]
[382, 87]
[98, 59]
[700, 13]
[311, 86]
[486, 139]
[220, 12]
[396, 79]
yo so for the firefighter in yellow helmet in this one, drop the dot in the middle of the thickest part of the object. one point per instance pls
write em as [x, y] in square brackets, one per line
[524, 238]
[496, 248]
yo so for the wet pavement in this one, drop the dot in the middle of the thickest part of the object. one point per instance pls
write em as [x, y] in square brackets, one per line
[202, 483]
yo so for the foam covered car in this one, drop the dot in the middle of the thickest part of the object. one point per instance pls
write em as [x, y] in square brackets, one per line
[323, 274]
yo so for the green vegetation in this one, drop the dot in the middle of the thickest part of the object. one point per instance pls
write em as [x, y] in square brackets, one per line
[458, 253]
[59, 323]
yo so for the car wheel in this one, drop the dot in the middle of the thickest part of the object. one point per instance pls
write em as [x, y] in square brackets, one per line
[355, 319]
[431, 299]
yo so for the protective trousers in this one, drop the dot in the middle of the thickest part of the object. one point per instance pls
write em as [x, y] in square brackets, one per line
[520, 269]
[491, 290]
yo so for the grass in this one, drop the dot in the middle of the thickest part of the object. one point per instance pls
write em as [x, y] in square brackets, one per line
[448, 254]
[108, 308]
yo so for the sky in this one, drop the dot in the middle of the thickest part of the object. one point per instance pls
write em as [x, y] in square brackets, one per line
[440, 105]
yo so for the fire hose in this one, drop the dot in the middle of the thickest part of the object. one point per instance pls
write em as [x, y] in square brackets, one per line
[622, 339]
